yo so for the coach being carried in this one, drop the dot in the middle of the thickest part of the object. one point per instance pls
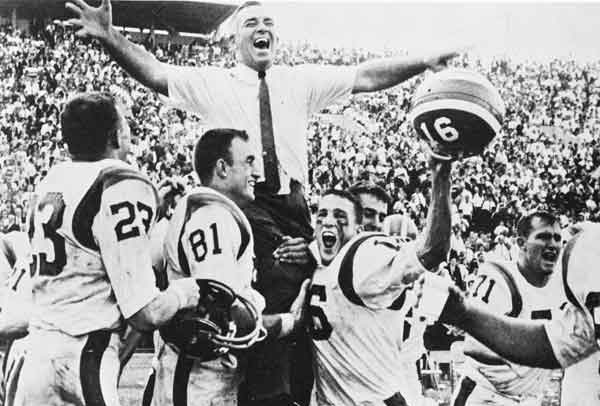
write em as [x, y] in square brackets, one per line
[273, 104]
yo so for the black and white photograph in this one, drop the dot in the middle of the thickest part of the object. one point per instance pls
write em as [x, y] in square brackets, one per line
[299, 203]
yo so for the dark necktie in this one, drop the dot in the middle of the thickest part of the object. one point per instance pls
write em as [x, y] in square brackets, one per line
[271, 170]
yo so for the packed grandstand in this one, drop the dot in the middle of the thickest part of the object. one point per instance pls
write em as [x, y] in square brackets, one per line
[545, 157]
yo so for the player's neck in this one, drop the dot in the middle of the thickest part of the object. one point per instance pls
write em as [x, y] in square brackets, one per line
[534, 278]
[227, 193]
[93, 157]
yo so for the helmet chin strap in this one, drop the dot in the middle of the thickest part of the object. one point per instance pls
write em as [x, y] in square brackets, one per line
[229, 340]
[210, 331]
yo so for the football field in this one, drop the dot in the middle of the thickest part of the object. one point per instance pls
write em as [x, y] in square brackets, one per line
[137, 370]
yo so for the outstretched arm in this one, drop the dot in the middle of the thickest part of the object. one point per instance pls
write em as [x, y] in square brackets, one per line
[435, 241]
[384, 73]
[521, 341]
[96, 22]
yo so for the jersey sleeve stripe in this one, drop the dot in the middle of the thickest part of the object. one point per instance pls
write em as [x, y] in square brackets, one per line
[346, 274]
[198, 200]
[398, 303]
[205, 199]
[89, 205]
[565, 269]
[183, 262]
[517, 300]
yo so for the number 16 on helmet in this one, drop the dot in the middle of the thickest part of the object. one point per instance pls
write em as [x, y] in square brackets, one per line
[457, 112]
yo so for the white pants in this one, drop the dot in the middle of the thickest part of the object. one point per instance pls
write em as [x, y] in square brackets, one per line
[212, 383]
[482, 396]
[60, 369]
[581, 383]
[12, 366]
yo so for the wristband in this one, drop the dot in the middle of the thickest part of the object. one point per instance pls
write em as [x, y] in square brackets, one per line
[287, 324]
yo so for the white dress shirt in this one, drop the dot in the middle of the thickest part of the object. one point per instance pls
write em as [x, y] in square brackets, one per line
[228, 98]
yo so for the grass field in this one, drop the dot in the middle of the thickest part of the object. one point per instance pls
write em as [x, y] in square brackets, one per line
[136, 373]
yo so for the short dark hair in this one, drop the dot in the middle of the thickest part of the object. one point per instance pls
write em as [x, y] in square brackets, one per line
[243, 6]
[213, 145]
[525, 223]
[247, 4]
[89, 121]
[351, 197]
[367, 188]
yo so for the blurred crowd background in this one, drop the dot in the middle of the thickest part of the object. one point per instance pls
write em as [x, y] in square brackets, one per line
[546, 157]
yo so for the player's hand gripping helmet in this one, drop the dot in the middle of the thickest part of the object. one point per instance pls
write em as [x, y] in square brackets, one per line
[221, 321]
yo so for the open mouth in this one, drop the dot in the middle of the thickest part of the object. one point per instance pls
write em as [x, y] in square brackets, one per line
[262, 43]
[550, 255]
[329, 239]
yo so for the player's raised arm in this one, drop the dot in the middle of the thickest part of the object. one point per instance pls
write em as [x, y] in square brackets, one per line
[435, 241]
[384, 73]
[96, 22]
[521, 341]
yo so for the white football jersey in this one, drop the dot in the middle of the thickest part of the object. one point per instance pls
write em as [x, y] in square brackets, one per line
[89, 240]
[581, 383]
[355, 327]
[574, 335]
[412, 348]
[208, 237]
[506, 291]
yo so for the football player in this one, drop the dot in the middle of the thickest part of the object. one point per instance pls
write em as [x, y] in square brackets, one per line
[88, 229]
[375, 202]
[209, 237]
[561, 342]
[525, 288]
[410, 343]
[581, 383]
[356, 292]
[15, 296]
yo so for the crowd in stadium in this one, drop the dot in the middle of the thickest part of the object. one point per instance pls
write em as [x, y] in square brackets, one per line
[545, 157]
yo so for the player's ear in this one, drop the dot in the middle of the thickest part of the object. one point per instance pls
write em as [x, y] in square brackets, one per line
[221, 168]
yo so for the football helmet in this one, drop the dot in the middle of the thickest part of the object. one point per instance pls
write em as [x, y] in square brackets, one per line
[457, 112]
[221, 321]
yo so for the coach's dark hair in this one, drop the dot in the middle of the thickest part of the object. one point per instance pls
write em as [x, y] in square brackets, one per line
[89, 121]
[247, 4]
[372, 189]
[525, 223]
[214, 145]
[351, 197]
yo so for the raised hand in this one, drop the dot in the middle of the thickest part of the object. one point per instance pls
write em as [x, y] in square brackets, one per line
[94, 22]
[440, 61]
[437, 153]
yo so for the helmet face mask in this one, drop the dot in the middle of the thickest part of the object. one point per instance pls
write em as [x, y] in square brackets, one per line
[221, 321]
